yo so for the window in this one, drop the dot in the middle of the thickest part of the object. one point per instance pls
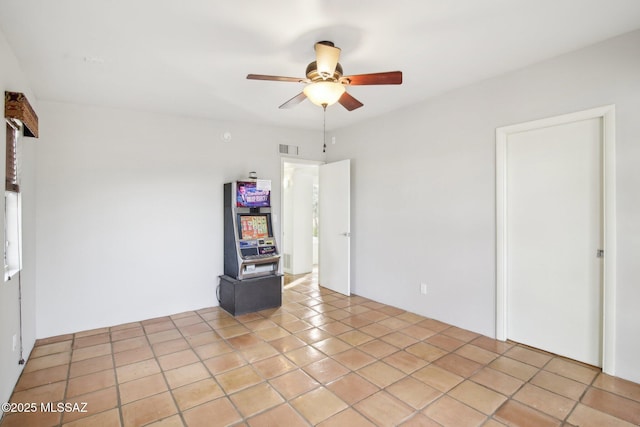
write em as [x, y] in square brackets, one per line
[12, 202]
[21, 120]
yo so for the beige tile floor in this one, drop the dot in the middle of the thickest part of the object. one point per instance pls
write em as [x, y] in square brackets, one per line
[321, 359]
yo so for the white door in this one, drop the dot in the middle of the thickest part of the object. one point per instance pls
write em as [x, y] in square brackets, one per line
[554, 231]
[334, 226]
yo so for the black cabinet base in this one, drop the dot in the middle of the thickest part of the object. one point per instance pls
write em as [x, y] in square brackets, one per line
[249, 295]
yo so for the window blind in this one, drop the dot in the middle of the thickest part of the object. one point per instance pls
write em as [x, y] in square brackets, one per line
[11, 170]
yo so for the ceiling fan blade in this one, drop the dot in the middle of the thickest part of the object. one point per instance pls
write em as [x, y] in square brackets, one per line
[294, 101]
[349, 102]
[388, 78]
[275, 78]
[327, 56]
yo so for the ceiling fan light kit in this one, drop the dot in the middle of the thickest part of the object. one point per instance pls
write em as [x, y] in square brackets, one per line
[324, 93]
[325, 83]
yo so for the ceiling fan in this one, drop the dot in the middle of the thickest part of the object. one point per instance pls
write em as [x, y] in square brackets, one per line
[325, 82]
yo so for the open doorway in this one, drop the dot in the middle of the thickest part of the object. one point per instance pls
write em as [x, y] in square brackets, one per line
[300, 184]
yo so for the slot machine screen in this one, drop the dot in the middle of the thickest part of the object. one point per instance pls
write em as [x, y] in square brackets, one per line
[254, 226]
[249, 195]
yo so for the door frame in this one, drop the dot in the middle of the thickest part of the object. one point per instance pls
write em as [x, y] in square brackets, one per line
[607, 114]
[294, 160]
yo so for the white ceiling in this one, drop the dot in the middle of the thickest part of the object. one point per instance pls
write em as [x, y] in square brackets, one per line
[191, 57]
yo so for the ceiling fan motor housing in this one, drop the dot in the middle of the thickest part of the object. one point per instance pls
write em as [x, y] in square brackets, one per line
[314, 76]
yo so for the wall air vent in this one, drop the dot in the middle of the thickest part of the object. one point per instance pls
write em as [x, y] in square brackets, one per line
[286, 258]
[291, 150]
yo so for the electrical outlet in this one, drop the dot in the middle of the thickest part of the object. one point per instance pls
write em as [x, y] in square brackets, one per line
[15, 342]
[423, 288]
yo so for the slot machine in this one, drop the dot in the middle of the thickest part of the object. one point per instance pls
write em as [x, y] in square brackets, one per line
[251, 256]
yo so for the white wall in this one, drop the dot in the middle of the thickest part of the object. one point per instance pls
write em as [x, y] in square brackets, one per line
[130, 210]
[11, 79]
[424, 188]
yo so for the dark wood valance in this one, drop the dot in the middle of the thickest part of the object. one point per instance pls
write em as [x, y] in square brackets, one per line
[16, 106]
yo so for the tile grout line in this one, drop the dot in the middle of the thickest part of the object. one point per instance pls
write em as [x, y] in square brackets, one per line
[115, 374]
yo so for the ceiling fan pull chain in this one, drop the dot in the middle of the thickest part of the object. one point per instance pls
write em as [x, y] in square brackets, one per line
[324, 128]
